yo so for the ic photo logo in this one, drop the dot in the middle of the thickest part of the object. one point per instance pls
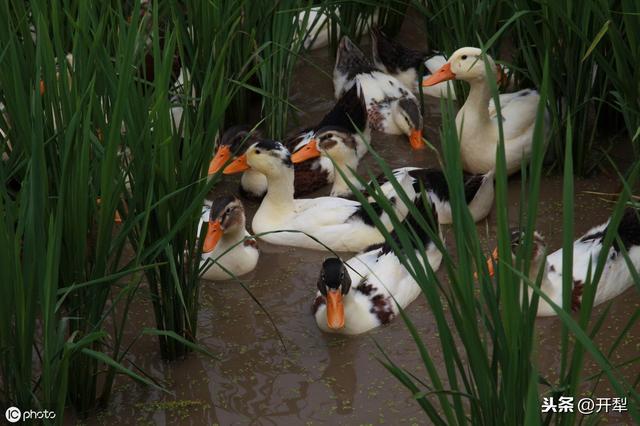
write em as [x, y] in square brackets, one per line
[13, 414]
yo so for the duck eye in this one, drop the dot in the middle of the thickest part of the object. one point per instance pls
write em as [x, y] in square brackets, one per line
[464, 57]
[257, 151]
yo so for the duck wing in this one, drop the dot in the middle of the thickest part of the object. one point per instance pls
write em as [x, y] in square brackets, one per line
[518, 112]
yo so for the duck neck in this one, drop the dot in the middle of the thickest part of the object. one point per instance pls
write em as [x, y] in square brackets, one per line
[280, 190]
[232, 236]
[475, 110]
[348, 167]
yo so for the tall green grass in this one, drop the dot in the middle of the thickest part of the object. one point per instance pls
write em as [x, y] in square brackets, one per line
[487, 331]
[66, 277]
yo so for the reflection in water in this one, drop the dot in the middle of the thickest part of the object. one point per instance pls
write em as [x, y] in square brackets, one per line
[340, 373]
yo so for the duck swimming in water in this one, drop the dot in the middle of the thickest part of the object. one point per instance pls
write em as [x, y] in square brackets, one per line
[227, 244]
[340, 224]
[349, 114]
[477, 122]
[479, 189]
[391, 106]
[616, 276]
[406, 64]
[362, 295]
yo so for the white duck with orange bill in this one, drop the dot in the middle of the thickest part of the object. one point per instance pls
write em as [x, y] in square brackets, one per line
[228, 249]
[616, 275]
[338, 223]
[477, 121]
[364, 293]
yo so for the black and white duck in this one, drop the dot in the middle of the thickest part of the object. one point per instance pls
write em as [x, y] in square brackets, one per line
[363, 293]
[391, 106]
[616, 276]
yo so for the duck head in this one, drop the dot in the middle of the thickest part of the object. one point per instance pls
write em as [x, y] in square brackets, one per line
[268, 157]
[517, 238]
[232, 143]
[465, 64]
[226, 217]
[334, 283]
[332, 141]
[407, 116]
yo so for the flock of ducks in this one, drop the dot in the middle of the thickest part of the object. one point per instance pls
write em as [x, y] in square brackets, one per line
[365, 291]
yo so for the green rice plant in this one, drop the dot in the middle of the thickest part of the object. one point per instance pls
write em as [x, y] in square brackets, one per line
[569, 31]
[621, 64]
[354, 18]
[66, 273]
[280, 31]
[451, 25]
[487, 330]
[167, 162]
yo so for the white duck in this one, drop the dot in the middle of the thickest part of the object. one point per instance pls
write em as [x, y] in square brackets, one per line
[332, 143]
[379, 282]
[341, 224]
[391, 107]
[479, 134]
[227, 244]
[404, 64]
[615, 277]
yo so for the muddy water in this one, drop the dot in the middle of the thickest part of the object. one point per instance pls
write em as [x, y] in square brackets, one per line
[302, 376]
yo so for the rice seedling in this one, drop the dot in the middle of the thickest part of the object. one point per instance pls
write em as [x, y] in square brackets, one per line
[487, 330]
[61, 186]
[578, 84]
[620, 63]
[168, 160]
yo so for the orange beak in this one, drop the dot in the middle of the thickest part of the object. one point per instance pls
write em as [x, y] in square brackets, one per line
[307, 152]
[116, 217]
[443, 74]
[335, 309]
[238, 165]
[214, 233]
[415, 139]
[491, 260]
[42, 88]
[220, 159]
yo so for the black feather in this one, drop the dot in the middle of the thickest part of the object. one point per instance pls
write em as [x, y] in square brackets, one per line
[350, 113]
[412, 223]
[393, 55]
[628, 230]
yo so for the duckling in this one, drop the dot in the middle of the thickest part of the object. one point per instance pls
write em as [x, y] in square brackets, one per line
[616, 276]
[349, 113]
[391, 107]
[381, 282]
[332, 143]
[227, 243]
[479, 135]
[341, 224]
